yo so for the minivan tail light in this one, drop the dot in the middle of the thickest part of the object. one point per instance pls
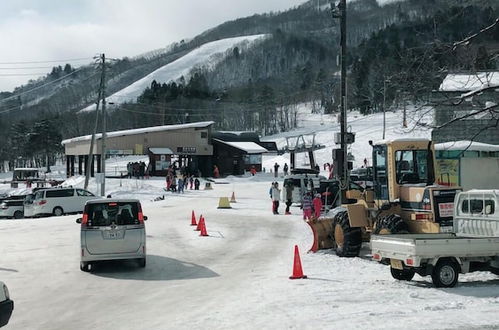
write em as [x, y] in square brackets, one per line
[141, 215]
[84, 220]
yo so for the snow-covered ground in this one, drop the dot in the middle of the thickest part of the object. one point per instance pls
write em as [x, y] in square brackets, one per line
[237, 278]
[207, 55]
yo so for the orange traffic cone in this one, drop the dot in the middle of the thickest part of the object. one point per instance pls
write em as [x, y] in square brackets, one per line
[204, 232]
[233, 198]
[297, 271]
[198, 227]
[193, 219]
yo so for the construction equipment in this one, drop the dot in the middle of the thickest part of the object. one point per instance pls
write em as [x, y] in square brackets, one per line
[405, 199]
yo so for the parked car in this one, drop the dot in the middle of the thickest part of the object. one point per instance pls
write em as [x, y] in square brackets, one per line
[59, 201]
[12, 208]
[112, 229]
[6, 305]
[28, 203]
[301, 184]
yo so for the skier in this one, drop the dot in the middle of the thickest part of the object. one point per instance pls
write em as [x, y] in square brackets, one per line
[317, 202]
[307, 206]
[289, 197]
[253, 170]
[276, 194]
[276, 169]
[180, 184]
[191, 181]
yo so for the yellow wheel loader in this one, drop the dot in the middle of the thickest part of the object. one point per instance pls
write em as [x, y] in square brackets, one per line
[404, 199]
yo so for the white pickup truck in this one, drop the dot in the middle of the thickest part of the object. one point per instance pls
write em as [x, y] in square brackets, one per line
[473, 245]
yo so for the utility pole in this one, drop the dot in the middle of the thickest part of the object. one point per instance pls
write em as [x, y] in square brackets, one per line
[92, 142]
[103, 147]
[384, 107]
[341, 13]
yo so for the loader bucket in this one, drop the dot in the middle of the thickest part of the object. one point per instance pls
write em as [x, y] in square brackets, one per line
[323, 233]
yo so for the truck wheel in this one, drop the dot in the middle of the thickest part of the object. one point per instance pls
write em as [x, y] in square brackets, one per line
[402, 275]
[348, 240]
[18, 215]
[391, 224]
[445, 274]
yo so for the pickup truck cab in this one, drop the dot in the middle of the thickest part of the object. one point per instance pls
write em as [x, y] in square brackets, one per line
[473, 245]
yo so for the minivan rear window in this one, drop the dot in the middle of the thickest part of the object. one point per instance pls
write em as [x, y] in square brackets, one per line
[105, 214]
[59, 193]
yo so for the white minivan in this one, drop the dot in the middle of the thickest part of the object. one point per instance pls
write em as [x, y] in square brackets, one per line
[59, 201]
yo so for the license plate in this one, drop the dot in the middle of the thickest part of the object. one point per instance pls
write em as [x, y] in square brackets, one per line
[118, 234]
[446, 229]
[397, 264]
[446, 209]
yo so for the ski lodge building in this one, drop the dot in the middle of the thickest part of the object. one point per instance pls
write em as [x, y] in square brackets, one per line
[193, 145]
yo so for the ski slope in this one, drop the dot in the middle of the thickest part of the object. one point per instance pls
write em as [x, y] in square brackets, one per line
[207, 55]
[370, 127]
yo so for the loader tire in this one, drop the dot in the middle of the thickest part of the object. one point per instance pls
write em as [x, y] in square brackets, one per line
[391, 224]
[348, 240]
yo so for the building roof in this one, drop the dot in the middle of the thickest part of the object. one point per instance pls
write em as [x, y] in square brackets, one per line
[466, 82]
[248, 147]
[465, 145]
[152, 129]
[161, 151]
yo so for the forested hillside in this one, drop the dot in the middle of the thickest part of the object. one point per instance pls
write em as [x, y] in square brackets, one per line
[399, 50]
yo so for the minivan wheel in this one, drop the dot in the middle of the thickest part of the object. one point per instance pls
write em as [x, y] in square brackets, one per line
[142, 262]
[58, 211]
[84, 266]
[18, 215]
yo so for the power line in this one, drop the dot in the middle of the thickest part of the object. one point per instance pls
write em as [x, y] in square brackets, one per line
[41, 86]
[50, 61]
[22, 74]
[28, 67]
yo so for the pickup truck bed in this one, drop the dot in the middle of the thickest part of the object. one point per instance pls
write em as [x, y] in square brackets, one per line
[428, 246]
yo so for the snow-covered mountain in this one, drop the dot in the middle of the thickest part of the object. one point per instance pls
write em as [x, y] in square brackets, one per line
[206, 56]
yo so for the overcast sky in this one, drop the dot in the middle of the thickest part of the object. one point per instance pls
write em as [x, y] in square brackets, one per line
[42, 30]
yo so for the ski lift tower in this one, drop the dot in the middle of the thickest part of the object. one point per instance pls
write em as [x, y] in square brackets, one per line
[298, 144]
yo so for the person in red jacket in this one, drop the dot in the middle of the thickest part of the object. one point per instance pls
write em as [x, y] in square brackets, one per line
[216, 173]
[317, 202]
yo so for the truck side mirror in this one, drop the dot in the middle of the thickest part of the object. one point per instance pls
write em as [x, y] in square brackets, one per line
[78, 220]
[145, 217]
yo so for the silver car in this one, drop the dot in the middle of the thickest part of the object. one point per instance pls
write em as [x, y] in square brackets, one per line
[112, 229]
[12, 208]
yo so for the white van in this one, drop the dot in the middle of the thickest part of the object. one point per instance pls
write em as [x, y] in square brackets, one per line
[301, 184]
[59, 201]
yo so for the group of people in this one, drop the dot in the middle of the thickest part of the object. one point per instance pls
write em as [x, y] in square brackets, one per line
[311, 204]
[178, 181]
[276, 169]
[137, 170]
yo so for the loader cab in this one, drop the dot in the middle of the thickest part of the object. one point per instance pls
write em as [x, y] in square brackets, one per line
[400, 164]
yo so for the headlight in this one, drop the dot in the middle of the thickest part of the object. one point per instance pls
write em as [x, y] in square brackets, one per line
[6, 291]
